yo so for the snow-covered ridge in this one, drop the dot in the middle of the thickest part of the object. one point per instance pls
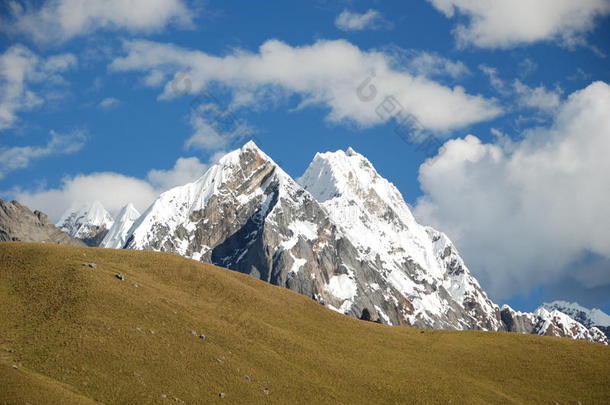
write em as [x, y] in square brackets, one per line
[588, 317]
[117, 235]
[550, 323]
[86, 221]
[418, 261]
[556, 323]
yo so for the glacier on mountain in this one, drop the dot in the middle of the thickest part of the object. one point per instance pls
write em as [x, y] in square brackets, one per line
[117, 235]
[88, 222]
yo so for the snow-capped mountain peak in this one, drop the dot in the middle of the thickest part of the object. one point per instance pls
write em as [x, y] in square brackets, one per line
[87, 222]
[342, 235]
[588, 317]
[413, 258]
[557, 323]
[117, 235]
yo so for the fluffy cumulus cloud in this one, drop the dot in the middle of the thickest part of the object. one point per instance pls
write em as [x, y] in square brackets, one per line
[352, 21]
[80, 189]
[20, 68]
[60, 20]
[508, 23]
[524, 213]
[19, 157]
[350, 82]
[184, 171]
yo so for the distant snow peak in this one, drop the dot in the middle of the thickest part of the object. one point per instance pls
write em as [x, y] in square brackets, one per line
[117, 235]
[550, 323]
[587, 317]
[88, 222]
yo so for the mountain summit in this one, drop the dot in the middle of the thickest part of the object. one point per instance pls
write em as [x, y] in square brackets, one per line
[116, 236]
[344, 236]
[88, 222]
[341, 235]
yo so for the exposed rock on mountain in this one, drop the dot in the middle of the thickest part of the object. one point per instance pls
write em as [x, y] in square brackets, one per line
[89, 223]
[550, 323]
[247, 214]
[117, 235]
[342, 235]
[19, 223]
[588, 317]
[418, 263]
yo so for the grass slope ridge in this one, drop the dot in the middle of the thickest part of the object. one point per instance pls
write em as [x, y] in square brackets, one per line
[79, 335]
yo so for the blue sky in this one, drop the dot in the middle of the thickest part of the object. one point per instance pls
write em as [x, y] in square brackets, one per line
[97, 102]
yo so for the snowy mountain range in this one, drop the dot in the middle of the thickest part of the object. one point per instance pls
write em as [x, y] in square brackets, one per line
[117, 235]
[588, 317]
[340, 234]
[88, 222]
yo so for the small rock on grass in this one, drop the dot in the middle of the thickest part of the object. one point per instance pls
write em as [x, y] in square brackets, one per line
[266, 391]
[120, 277]
[221, 394]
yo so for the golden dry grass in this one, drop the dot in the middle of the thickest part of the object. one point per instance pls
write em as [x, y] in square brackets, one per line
[79, 335]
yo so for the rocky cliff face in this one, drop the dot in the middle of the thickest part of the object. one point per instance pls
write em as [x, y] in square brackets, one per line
[89, 222]
[19, 223]
[248, 215]
[587, 317]
[419, 266]
[549, 323]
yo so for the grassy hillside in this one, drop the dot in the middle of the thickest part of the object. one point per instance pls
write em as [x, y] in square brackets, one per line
[79, 335]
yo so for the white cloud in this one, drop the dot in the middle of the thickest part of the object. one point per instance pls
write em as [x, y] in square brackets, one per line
[214, 127]
[525, 96]
[109, 103]
[509, 23]
[537, 97]
[83, 188]
[19, 157]
[328, 73]
[523, 212]
[19, 68]
[60, 20]
[185, 170]
[351, 21]
[430, 64]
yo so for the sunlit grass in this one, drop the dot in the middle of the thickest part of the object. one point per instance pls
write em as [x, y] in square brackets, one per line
[79, 334]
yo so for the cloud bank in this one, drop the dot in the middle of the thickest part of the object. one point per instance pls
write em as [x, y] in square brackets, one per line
[328, 73]
[84, 188]
[510, 23]
[61, 20]
[523, 213]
